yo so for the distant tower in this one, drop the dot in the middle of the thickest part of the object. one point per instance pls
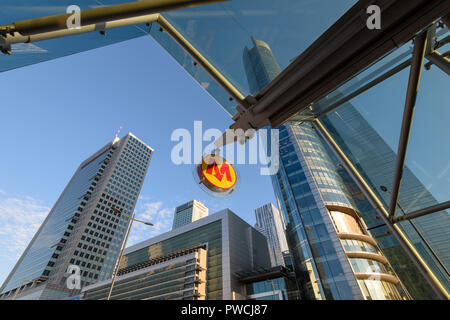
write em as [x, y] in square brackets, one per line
[269, 223]
[189, 212]
[82, 231]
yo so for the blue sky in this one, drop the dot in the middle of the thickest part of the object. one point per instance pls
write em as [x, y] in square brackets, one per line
[57, 113]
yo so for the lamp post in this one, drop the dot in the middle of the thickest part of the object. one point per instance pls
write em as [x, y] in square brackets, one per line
[124, 245]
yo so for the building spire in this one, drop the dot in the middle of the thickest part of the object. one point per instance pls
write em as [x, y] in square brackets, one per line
[117, 133]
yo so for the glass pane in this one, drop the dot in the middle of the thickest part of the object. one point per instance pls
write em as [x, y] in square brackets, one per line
[367, 128]
[426, 177]
[427, 157]
[196, 71]
[222, 32]
[24, 54]
[386, 64]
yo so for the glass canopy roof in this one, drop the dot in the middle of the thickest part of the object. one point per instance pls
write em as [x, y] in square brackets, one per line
[220, 32]
[28, 53]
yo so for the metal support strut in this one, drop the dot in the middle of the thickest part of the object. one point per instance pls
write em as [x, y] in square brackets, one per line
[411, 95]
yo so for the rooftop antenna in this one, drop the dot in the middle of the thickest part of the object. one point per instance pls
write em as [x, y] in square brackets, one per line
[118, 131]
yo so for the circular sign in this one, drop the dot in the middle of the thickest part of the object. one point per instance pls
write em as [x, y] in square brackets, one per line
[216, 174]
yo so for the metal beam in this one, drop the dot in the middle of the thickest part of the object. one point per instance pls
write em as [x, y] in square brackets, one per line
[411, 95]
[423, 212]
[100, 14]
[16, 37]
[409, 248]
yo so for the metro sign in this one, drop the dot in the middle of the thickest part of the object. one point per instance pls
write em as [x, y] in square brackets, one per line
[217, 174]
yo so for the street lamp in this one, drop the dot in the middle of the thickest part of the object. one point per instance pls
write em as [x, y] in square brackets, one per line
[124, 244]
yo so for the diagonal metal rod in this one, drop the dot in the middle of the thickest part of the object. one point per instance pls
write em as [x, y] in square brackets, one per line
[424, 211]
[411, 95]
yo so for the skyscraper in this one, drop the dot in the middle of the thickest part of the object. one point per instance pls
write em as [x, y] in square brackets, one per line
[82, 231]
[189, 212]
[269, 223]
[335, 256]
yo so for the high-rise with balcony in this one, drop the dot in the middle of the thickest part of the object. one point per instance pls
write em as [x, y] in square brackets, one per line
[82, 231]
[269, 223]
[334, 255]
[189, 212]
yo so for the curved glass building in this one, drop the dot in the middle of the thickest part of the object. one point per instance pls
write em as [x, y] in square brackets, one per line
[335, 256]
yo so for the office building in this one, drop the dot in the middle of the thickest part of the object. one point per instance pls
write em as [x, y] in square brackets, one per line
[82, 231]
[189, 212]
[269, 222]
[334, 254]
[166, 266]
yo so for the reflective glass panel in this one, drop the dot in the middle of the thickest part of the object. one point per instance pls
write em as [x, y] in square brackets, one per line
[222, 32]
[427, 155]
[24, 54]
[367, 130]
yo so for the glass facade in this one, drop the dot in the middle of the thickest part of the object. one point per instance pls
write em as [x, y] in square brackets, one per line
[309, 188]
[36, 259]
[210, 234]
[250, 43]
[82, 229]
[315, 199]
[273, 289]
[222, 31]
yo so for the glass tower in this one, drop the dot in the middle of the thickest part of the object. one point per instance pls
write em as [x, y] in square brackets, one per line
[335, 256]
[269, 223]
[82, 231]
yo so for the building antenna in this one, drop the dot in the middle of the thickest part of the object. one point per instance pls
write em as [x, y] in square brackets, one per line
[118, 131]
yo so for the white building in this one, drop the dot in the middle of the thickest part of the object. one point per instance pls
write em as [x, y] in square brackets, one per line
[189, 212]
[269, 223]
